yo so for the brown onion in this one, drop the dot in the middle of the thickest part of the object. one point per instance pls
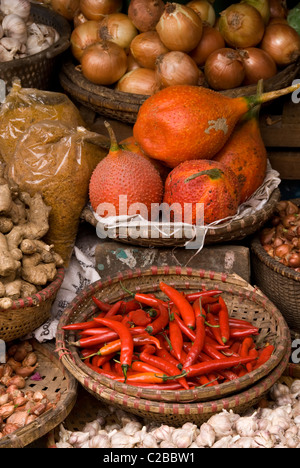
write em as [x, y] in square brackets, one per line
[118, 28]
[210, 41]
[294, 260]
[145, 14]
[224, 69]
[83, 36]
[258, 64]
[131, 63]
[177, 68]
[146, 48]
[282, 42]
[278, 21]
[104, 63]
[262, 6]
[138, 81]
[278, 8]
[97, 9]
[205, 9]
[241, 25]
[179, 27]
[66, 8]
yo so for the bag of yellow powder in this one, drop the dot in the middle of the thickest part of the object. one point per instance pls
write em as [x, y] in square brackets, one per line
[25, 106]
[57, 161]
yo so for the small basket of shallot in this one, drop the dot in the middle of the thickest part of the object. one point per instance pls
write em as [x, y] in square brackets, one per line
[276, 260]
[32, 37]
[171, 335]
[36, 393]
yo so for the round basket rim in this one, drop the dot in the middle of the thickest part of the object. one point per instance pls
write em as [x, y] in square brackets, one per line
[55, 49]
[42, 296]
[70, 71]
[269, 261]
[70, 352]
[213, 233]
[210, 407]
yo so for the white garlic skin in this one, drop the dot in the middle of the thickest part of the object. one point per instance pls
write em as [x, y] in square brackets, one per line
[15, 27]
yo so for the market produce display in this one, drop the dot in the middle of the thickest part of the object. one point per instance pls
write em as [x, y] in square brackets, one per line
[185, 342]
[20, 36]
[282, 240]
[156, 44]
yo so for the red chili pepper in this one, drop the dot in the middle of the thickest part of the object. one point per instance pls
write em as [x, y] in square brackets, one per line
[149, 300]
[246, 345]
[229, 374]
[100, 360]
[198, 344]
[191, 297]
[184, 307]
[212, 352]
[106, 366]
[224, 321]
[130, 306]
[114, 309]
[214, 327]
[101, 305]
[92, 341]
[144, 367]
[213, 308]
[253, 353]
[176, 339]
[264, 356]
[126, 339]
[185, 330]
[165, 354]
[165, 366]
[216, 365]
[139, 317]
[243, 332]
[210, 339]
[160, 322]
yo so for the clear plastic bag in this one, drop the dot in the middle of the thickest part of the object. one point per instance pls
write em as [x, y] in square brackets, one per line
[58, 161]
[25, 106]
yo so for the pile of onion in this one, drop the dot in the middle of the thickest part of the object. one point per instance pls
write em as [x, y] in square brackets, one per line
[282, 43]
[282, 240]
[224, 69]
[177, 68]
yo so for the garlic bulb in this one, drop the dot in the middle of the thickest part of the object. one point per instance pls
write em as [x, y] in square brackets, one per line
[15, 27]
[182, 438]
[221, 424]
[163, 432]
[17, 7]
[99, 441]
[247, 426]
[207, 436]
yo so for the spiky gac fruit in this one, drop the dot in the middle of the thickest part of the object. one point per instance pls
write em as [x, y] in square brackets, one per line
[206, 182]
[124, 183]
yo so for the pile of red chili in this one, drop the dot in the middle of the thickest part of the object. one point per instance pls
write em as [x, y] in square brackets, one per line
[186, 341]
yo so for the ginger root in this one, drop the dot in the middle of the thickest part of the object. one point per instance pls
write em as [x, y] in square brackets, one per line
[27, 263]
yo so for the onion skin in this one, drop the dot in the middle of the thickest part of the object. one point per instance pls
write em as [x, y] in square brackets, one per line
[83, 36]
[278, 8]
[258, 64]
[205, 9]
[179, 28]
[97, 9]
[146, 48]
[241, 25]
[210, 41]
[138, 81]
[118, 28]
[66, 8]
[282, 43]
[177, 68]
[104, 63]
[224, 69]
[145, 14]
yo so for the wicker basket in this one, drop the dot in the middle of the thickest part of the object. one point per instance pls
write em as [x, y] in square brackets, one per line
[175, 414]
[243, 302]
[56, 381]
[280, 283]
[39, 70]
[125, 106]
[28, 314]
[236, 230]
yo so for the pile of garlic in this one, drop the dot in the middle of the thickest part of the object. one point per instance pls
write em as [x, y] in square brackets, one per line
[274, 426]
[20, 36]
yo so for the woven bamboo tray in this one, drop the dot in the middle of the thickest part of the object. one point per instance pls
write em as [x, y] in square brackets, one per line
[125, 106]
[280, 283]
[28, 314]
[56, 380]
[175, 414]
[243, 302]
[234, 231]
[39, 70]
